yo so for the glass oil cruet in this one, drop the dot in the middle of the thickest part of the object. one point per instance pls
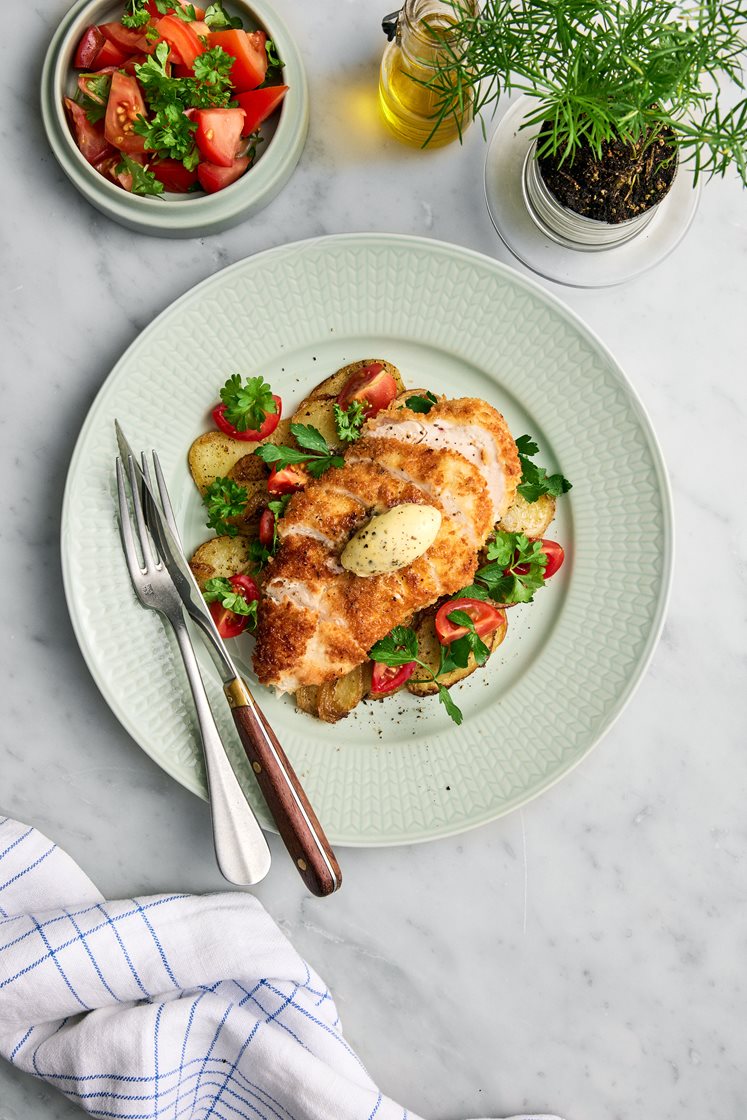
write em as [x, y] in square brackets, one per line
[419, 41]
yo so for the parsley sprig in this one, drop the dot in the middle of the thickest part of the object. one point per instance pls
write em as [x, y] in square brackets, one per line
[224, 498]
[535, 480]
[349, 421]
[96, 95]
[315, 454]
[220, 590]
[516, 570]
[419, 403]
[135, 14]
[218, 19]
[247, 403]
[143, 182]
[259, 554]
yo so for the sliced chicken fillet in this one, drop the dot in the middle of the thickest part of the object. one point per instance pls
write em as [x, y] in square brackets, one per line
[318, 621]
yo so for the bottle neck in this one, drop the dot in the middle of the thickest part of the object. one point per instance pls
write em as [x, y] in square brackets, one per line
[426, 26]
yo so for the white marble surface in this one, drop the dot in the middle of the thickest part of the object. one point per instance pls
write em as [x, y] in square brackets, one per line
[584, 955]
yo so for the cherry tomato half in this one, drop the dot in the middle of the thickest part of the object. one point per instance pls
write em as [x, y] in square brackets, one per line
[266, 532]
[123, 108]
[373, 386]
[230, 624]
[485, 617]
[286, 480]
[388, 678]
[555, 557]
[266, 428]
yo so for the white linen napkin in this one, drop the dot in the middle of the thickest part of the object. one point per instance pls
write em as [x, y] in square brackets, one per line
[170, 1006]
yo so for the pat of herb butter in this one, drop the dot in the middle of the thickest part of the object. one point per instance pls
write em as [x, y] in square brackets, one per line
[392, 540]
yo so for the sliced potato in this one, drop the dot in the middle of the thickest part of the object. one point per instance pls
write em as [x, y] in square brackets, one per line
[307, 699]
[214, 455]
[220, 557]
[530, 518]
[337, 698]
[318, 407]
[429, 651]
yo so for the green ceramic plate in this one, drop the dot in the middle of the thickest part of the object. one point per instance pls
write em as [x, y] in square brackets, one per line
[456, 321]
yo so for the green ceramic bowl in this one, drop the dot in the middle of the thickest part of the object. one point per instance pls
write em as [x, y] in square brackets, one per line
[173, 215]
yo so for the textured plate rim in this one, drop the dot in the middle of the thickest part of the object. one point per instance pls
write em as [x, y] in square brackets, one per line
[362, 239]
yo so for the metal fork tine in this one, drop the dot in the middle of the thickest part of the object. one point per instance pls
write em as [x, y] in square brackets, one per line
[148, 557]
[125, 526]
[166, 500]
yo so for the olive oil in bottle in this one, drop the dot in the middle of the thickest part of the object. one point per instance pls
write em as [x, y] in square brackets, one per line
[420, 42]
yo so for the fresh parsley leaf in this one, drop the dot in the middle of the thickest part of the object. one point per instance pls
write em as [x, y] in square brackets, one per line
[135, 14]
[349, 421]
[516, 570]
[213, 66]
[277, 508]
[224, 498]
[258, 555]
[444, 697]
[310, 438]
[187, 14]
[535, 480]
[218, 19]
[95, 96]
[143, 182]
[222, 590]
[316, 456]
[247, 404]
[274, 61]
[419, 403]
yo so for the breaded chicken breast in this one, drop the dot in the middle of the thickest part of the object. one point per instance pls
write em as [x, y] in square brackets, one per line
[318, 621]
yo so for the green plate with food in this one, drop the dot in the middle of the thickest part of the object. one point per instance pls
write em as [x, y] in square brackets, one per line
[406, 502]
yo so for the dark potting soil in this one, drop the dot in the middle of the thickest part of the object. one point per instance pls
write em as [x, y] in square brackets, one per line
[626, 181]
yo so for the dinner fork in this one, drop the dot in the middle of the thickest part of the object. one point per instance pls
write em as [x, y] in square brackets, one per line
[240, 846]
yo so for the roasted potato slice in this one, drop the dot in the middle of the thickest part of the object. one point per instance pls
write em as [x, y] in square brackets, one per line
[307, 699]
[318, 407]
[214, 455]
[429, 651]
[337, 698]
[220, 557]
[530, 518]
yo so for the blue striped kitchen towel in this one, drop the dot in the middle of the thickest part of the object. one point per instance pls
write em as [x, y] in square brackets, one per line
[170, 1007]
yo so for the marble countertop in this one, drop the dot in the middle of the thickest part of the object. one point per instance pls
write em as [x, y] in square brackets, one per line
[577, 956]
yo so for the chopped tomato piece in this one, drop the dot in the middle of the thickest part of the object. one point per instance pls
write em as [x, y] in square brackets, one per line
[388, 678]
[266, 532]
[110, 55]
[123, 108]
[174, 175]
[258, 104]
[180, 36]
[286, 480]
[230, 624]
[373, 386]
[89, 137]
[485, 616]
[91, 42]
[250, 67]
[127, 39]
[214, 178]
[266, 428]
[200, 28]
[218, 134]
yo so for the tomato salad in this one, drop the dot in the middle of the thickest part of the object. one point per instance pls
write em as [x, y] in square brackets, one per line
[443, 643]
[171, 97]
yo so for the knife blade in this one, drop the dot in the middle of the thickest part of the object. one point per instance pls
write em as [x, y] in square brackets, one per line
[286, 800]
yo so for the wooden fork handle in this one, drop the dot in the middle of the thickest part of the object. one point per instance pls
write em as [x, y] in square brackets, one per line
[297, 823]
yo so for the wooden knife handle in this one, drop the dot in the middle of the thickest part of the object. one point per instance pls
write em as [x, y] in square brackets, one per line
[297, 823]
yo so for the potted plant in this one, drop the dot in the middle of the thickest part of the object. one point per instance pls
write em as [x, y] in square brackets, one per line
[623, 91]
